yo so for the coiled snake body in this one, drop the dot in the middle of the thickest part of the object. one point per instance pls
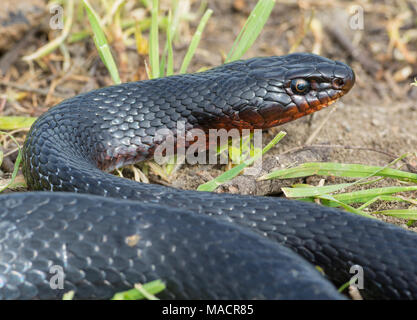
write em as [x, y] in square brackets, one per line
[202, 245]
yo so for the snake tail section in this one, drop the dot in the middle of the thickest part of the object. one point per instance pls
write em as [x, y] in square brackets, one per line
[104, 246]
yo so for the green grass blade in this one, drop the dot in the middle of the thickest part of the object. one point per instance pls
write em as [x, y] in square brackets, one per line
[345, 206]
[54, 44]
[16, 164]
[101, 43]
[226, 176]
[195, 41]
[369, 202]
[167, 59]
[146, 3]
[340, 170]
[343, 287]
[152, 288]
[311, 191]
[366, 195]
[387, 199]
[251, 30]
[69, 295]
[78, 36]
[15, 122]
[365, 205]
[410, 214]
[154, 42]
[168, 43]
[170, 34]
[348, 197]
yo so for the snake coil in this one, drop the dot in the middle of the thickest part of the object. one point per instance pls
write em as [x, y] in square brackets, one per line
[202, 245]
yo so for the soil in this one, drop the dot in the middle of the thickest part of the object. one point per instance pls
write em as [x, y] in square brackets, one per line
[375, 123]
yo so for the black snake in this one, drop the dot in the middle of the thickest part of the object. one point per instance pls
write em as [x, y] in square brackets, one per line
[202, 245]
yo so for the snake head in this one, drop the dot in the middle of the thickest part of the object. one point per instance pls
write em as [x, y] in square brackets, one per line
[291, 86]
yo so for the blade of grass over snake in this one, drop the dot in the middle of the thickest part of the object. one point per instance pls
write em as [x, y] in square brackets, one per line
[69, 295]
[344, 286]
[101, 43]
[228, 175]
[152, 288]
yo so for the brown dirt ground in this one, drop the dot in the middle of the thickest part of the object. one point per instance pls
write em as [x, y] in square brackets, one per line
[378, 115]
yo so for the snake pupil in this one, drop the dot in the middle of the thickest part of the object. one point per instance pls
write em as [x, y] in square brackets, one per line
[300, 86]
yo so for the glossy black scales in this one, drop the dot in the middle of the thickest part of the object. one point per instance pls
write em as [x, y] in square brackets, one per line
[104, 246]
[204, 245]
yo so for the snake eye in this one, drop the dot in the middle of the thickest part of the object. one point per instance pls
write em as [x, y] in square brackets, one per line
[338, 83]
[300, 86]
